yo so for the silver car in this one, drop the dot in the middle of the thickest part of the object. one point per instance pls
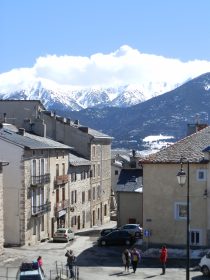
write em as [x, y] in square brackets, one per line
[63, 234]
[134, 229]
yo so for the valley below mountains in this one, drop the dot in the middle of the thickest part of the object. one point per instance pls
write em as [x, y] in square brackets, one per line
[167, 114]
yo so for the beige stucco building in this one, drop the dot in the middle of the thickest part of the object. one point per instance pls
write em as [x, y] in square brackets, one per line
[165, 201]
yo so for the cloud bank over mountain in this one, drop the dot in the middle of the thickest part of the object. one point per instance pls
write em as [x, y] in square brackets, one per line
[125, 66]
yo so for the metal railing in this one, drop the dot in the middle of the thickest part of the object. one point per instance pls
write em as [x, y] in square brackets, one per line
[40, 180]
[10, 273]
[41, 209]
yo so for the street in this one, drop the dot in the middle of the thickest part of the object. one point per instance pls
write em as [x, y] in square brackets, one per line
[94, 262]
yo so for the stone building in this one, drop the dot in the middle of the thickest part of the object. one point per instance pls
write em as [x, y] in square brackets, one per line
[89, 143]
[1, 208]
[79, 174]
[35, 186]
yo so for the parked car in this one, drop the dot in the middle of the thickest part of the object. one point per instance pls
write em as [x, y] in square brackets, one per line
[30, 271]
[133, 229]
[117, 237]
[105, 231]
[63, 234]
[204, 264]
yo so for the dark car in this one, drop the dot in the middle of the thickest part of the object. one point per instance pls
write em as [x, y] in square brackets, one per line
[105, 231]
[117, 237]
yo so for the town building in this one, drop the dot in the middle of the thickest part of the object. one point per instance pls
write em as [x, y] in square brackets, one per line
[80, 192]
[35, 197]
[2, 164]
[92, 145]
[127, 188]
[165, 201]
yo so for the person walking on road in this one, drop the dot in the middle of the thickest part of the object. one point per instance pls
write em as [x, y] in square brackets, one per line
[70, 262]
[126, 258]
[40, 263]
[135, 258]
[163, 258]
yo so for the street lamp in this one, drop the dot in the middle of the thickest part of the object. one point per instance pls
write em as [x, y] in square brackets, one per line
[181, 177]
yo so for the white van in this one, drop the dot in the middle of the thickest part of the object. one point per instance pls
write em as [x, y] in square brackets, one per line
[205, 264]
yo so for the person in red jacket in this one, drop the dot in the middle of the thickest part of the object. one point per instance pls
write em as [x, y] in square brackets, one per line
[163, 258]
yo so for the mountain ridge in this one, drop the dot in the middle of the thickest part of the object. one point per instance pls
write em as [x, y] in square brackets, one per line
[167, 114]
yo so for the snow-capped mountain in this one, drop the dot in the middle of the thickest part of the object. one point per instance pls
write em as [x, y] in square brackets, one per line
[81, 98]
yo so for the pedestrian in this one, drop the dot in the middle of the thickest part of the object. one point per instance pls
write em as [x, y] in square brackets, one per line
[70, 262]
[40, 263]
[163, 258]
[126, 258]
[135, 258]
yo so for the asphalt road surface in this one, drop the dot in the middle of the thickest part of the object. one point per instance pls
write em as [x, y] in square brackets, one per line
[94, 262]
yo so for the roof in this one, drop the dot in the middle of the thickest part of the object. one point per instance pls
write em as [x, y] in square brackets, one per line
[30, 141]
[77, 160]
[191, 147]
[97, 134]
[130, 180]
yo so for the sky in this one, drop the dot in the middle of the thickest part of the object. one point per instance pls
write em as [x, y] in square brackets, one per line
[86, 42]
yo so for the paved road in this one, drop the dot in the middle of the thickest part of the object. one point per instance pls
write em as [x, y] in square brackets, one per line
[94, 262]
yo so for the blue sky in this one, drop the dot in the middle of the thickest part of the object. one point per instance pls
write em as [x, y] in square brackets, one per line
[30, 29]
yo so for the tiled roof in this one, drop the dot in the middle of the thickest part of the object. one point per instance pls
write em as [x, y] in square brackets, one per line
[31, 141]
[130, 180]
[190, 147]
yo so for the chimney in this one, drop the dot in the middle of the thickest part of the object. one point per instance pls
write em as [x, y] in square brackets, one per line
[21, 131]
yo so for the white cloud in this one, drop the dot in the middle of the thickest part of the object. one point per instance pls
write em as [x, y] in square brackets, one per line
[124, 66]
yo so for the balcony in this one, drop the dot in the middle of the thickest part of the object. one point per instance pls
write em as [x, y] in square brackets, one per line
[41, 209]
[62, 179]
[40, 180]
[61, 205]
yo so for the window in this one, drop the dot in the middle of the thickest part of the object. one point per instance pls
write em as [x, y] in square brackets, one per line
[94, 151]
[73, 177]
[116, 172]
[94, 193]
[33, 171]
[105, 210]
[201, 175]
[89, 195]
[57, 170]
[34, 227]
[42, 167]
[98, 191]
[94, 171]
[181, 211]
[63, 194]
[83, 197]
[82, 175]
[99, 170]
[195, 237]
[63, 168]
[73, 197]
[98, 213]
[42, 223]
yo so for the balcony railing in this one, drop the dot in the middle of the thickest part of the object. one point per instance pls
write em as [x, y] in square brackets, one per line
[40, 180]
[61, 205]
[62, 179]
[41, 209]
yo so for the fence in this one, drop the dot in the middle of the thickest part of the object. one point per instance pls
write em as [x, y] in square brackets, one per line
[60, 272]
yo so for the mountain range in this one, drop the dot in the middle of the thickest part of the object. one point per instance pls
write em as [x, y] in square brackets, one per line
[127, 113]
